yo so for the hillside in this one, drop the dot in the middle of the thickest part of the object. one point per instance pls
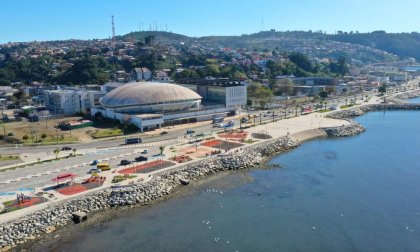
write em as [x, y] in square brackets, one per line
[367, 47]
[401, 44]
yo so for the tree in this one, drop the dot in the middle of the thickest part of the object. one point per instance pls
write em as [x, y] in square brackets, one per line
[25, 137]
[323, 94]
[56, 152]
[44, 135]
[148, 40]
[263, 96]
[382, 89]
[74, 151]
[161, 148]
[283, 87]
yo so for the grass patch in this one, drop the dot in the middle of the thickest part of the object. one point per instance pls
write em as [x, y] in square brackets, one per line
[51, 140]
[323, 111]
[250, 141]
[8, 203]
[40, 162]
[101, 133]
[346, 106]
[120, 178]
[8, 157]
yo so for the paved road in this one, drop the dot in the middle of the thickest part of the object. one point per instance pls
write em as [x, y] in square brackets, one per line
[40, 175]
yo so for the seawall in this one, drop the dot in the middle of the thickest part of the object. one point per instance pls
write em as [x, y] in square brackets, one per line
[58, 215]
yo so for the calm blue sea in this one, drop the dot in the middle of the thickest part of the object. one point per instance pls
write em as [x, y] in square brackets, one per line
[359, 193]
[414, 100]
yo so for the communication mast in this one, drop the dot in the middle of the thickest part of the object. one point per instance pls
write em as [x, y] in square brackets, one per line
[113, 29]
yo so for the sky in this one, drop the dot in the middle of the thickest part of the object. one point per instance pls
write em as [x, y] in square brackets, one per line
[40, 20]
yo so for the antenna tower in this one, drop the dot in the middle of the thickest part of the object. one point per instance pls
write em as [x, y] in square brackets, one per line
[113, 29]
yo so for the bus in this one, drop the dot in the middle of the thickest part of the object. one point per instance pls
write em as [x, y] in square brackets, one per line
[134, 140]
[103, 166]
[218, 119]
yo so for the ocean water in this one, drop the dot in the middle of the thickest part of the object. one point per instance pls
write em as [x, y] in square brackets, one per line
[414, 100]
[359, 193]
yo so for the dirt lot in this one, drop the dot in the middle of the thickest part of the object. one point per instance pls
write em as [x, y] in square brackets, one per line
[35, 130]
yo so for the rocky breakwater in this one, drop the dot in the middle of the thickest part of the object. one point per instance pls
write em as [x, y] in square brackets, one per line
[348, 113]
[387, 106]
[164, 183]
[351, 129]
[60, 214]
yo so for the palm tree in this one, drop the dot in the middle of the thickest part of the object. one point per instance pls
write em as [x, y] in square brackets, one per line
[161, 148]
[56, 152]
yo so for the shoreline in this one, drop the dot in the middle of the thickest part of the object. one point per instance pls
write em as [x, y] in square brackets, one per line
[165, 185]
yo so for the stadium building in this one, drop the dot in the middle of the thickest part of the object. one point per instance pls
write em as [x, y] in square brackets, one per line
[151, 105]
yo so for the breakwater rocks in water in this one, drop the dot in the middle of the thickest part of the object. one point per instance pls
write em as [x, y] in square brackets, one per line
[348, 113]
[60, 214]
[351, 129]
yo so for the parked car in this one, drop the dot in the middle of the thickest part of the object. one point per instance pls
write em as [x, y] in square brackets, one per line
[164, 132]
[94, 170]
[66, 148]
[140, 158]
[94, 162]
[125, 162]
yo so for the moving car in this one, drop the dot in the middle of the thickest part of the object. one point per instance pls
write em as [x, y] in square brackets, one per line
[140, 158]
[164, 132]
[190, 131]
[145, 151]
[125, 162]
[134, 140]
[66, 148]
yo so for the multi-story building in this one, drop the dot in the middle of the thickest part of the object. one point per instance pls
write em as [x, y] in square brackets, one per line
[69, 102]
[230, 93]
[141, 74]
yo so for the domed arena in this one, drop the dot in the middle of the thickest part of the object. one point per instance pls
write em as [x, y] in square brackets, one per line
[150, 97]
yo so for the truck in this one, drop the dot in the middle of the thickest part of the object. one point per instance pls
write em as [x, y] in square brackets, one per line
[134, 140]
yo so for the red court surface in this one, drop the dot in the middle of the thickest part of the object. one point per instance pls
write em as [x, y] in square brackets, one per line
[234, 135]
[211, 143]
[220, 144]
[73, 189]
[148, 167]
[28, 202]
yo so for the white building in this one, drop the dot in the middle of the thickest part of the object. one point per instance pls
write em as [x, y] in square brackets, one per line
[231, 94]
[151, 105]
[69, 102]
[141, 74]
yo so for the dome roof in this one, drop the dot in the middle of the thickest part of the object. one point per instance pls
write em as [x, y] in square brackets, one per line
[142, 93]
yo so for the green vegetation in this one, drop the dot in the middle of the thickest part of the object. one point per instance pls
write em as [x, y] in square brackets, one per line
[346, 106]
[101, 133]
[259, 94]
[382, 89]
[8, 157]
[49, 140]
[120, 178]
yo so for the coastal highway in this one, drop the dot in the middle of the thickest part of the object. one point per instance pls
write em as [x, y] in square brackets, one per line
[40, 175]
